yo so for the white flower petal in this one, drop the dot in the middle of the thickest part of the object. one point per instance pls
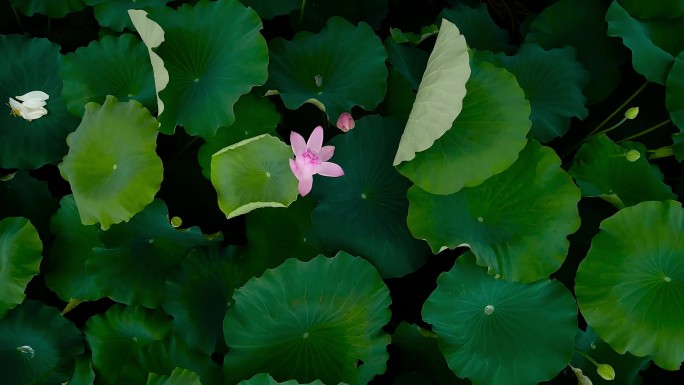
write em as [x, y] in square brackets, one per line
[34, 95]
[15, 105]
[34, 103]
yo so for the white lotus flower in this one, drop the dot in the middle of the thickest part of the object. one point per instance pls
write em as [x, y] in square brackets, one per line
[29, 106]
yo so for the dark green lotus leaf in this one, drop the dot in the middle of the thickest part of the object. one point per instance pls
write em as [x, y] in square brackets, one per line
[252, 174]
[121, 339]
[20, 256]
[654, 43]
[602, 169]
[364, 211]
[253, 116]
[197, 296]
[315, 13]
[516, 222]
[484, 140]
[114, 13]
[501, 333]
[117, 66]
[629, 286]
[138, 255]
[581, 25]
[56, 9]
[178, 376]
[674, 92]
[413, 38]
[399, 98]
[552, 81]
[320, 319]
[678, 146]
[83, 372]
[419, 353]
[265, 379]
[64, 267]
[626, 366]
[654, 9]
[23, 196]
[409, 61]
[162, 357]
[30, 65]
[276, 234]
[209, 65]
[35, 341]
[268, 9]
[478, 27]
[112, 166]
[341, 67]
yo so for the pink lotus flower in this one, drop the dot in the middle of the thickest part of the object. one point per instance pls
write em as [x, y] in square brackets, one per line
[345, 122]
[311, 159]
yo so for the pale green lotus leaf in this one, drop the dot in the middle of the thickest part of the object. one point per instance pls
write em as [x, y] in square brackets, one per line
[440, 94]
[112, 164]
[253, 173]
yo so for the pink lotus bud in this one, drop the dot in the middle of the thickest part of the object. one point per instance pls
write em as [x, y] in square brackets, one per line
[345, 122]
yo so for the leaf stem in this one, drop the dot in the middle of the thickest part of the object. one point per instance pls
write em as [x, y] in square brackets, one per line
[301, 11]
[646, 131]
[16, 16]
[585, 355]
[629, 99]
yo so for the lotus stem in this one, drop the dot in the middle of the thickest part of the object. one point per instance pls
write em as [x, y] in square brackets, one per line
[646, 131]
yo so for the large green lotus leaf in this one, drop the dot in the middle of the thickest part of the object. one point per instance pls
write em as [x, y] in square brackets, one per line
[121, 339]
[654, 43]
[497, 332]
[138, 255]
[552, 81]
[630, 285]
[112, 166]
[114, 13]
[162, 357]
[197, 296]
[117, 66]
[64, 267]
[674, 92]
[484, 140]
[678, 146]
[23, 196]
[320, 319]
[20, 256]
[178, 376]
[419, 353]
[478, 27]
[440, 94]
[268, 9]
[581, 25]
[626, 366]
[265, 379]
[252, 174]
[364, 211]
[409, 61]
[83, 372]
[601, 169]
[253, 116]
[654, 9]
[35, 341]
[52, 8]
[276, 234]
[341, 67]
[29, 65]
[210, 65]
[516, 222]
